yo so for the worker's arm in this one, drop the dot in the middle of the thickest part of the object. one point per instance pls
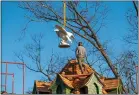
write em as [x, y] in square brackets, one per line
[76, 52]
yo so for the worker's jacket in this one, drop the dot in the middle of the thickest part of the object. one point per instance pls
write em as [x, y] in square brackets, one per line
[80, 52]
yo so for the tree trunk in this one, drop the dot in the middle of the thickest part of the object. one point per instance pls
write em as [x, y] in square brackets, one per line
[109, 63]
[102, 51]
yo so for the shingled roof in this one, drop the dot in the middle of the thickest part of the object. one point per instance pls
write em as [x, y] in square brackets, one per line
[42, 86]
[110, 83]
[72, 68]
[72, 77]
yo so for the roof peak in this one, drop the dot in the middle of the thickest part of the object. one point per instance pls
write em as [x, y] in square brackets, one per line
[73, 68]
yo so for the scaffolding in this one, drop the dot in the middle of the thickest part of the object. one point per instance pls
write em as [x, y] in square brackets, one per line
[6, 74]
[10, 74]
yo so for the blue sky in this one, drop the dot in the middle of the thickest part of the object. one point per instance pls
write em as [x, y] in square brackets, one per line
[13, 21]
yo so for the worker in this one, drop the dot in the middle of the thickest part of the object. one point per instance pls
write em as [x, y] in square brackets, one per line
[80, 54]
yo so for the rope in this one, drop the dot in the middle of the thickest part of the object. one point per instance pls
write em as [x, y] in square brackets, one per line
[64, 11]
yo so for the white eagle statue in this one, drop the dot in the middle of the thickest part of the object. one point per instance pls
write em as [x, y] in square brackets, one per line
[64, 35]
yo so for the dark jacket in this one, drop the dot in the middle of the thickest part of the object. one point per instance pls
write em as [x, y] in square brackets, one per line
[80, 51]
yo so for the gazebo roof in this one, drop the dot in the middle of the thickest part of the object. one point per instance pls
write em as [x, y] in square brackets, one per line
[72, 77]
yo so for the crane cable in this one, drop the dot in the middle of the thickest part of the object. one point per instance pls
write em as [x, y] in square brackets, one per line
[64, 12]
